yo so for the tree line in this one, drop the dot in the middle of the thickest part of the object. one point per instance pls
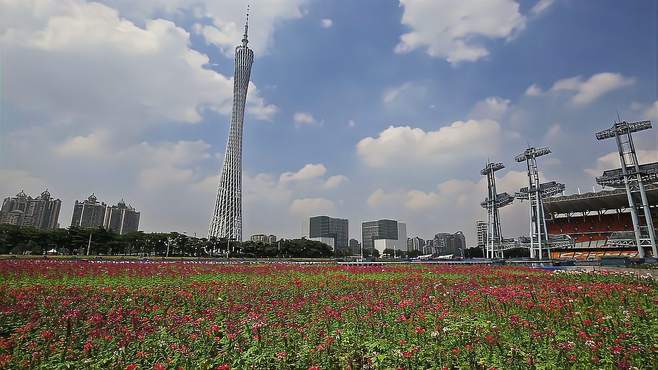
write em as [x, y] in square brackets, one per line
[83, 241]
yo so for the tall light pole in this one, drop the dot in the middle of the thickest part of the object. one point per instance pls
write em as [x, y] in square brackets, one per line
[492, 203]
[535, 192]
[632, 176]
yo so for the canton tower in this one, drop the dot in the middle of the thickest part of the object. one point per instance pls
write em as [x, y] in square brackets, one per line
[226, 221]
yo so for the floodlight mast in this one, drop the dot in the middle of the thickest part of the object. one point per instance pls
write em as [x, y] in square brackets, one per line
[538, 230]
[492, 203]
[633, 178]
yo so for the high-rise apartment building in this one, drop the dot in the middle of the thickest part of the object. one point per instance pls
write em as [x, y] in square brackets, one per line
[89, 213]
[446, 243]
[481, 232]
[416, 244]
[22, 210]
[121, 218]
[329, 227]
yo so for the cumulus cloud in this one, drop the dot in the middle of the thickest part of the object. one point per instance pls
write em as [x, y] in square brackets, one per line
[587, 91]
[583, 91]
[14, 180]
[651, 112]
[309, 171]
[453, 205]
[326, 23]
[541, 6]
[453, 29]
[220, 22]
[420, 200]
[303, 118]
[533, 90]
[152, 77]
[492, 107]
[400, 145]
[335, 181]
[305, 207]
[611, 161]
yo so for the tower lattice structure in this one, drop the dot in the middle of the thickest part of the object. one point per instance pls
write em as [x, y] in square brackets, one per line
[632, 178]
[492, 204]
[226, 221]
[535, 192]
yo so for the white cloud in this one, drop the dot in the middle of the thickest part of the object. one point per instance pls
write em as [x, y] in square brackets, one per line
[380, 198]
[611, 161]
[311, 206]
[419, 200]
[541, 6]
[587, 91]
[533, 90]
[407, 89]
[335, 181]
[309, 171]
[453, 205]
[13, 181]
[492, 107]
[401, 145]
[553, 132]
[152, 77]
[226, 18]
[651, 112]
[303, 118]
[95, 145]
[450, 28]
[326, 23]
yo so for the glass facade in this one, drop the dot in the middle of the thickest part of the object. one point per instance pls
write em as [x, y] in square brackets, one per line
[328, 227]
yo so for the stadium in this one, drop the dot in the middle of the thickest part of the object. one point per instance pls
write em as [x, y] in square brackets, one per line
[600, 223]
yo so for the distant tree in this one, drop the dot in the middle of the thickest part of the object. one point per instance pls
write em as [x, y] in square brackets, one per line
[475, 252]
[413, 254]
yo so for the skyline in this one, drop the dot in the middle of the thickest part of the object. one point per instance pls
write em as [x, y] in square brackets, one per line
[343, 98]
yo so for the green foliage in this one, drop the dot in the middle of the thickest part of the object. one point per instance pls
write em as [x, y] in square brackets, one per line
[75, 241]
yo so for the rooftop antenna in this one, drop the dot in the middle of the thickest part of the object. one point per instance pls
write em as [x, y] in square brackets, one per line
[246, 29]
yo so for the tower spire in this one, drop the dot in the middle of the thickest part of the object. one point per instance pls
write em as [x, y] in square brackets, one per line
[246, 28]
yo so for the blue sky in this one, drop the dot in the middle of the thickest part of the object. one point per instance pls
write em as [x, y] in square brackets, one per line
[358, 109]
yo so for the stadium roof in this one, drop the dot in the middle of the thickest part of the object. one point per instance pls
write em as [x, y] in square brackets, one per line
[614, 178]
[598, 201]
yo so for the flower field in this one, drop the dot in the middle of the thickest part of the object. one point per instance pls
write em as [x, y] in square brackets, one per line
[169, 315]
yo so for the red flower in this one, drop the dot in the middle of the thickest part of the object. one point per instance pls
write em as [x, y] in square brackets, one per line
[159, 366]
[223, 367]
[131, 367]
